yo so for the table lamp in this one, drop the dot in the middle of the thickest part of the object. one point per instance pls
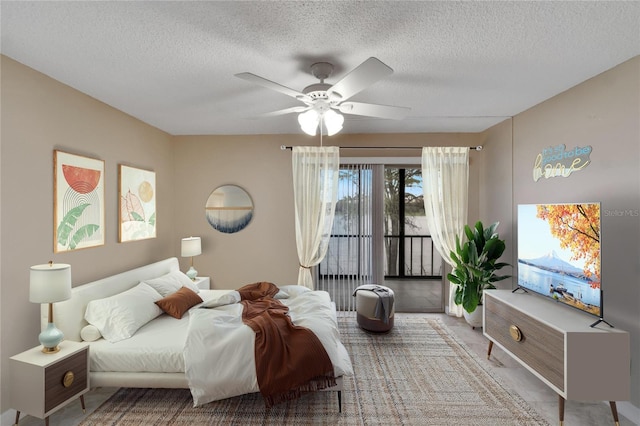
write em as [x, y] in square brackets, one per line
[50, 283]
[191, 247]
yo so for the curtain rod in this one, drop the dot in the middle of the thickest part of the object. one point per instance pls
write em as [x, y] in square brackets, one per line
[476, 148]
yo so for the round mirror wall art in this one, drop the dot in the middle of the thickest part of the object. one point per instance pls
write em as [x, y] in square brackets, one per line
[229, 209]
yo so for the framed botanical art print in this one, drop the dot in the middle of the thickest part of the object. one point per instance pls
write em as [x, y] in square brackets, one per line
[78, 202]
[137, 195]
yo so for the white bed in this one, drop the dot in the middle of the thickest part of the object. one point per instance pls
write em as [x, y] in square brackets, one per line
[145, 359]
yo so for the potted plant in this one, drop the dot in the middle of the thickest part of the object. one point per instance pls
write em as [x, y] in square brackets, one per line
[475, 268]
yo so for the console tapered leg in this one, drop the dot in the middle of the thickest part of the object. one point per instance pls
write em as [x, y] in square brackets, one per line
[614, 411]
[489, 350]
[561, 409]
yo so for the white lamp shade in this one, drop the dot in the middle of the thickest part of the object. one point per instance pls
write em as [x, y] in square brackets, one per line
[191, 247]
[50, 283]
[309, 121]
[333, 121]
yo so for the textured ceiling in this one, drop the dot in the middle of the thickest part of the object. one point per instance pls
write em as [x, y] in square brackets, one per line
[459, 66]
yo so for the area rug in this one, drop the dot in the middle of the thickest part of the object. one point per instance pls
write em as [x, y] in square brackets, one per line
[417, 374]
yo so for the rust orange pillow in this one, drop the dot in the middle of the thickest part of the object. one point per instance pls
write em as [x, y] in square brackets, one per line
[176, 304]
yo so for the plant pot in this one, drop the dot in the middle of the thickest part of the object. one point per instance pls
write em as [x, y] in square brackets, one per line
[474, 319]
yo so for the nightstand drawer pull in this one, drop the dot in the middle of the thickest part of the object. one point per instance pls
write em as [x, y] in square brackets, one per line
[515, 333]
[67, 379]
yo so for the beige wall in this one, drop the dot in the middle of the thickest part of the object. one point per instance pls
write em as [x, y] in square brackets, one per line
[496, 188]
[603, 112]
[40, 115]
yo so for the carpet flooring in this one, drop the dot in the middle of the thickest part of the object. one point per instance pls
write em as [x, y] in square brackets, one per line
[417, 374]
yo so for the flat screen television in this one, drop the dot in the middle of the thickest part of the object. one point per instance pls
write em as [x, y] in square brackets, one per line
[559, 253]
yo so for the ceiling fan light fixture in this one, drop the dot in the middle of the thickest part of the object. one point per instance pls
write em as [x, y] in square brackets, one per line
[309, 121]
[320, 98]
[333, 121]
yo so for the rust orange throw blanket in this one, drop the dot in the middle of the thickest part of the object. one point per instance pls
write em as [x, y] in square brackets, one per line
[289, 359]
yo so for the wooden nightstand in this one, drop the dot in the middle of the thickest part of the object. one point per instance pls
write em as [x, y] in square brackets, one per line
[203, 283]
[43, 383]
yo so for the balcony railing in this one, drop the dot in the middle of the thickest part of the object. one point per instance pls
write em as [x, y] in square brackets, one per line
[348, 255]
[420, 258]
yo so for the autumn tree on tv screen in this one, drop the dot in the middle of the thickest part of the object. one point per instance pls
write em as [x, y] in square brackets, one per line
[577, 228]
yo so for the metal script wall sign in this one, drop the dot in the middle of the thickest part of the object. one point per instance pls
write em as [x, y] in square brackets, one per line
[556, 161]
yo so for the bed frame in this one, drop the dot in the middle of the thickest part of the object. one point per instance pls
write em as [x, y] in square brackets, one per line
[69, 318]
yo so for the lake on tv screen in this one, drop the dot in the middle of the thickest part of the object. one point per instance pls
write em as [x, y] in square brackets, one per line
[564, 288]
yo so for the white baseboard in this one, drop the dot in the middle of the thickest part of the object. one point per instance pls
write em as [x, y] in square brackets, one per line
[8, 418]
[629, 411]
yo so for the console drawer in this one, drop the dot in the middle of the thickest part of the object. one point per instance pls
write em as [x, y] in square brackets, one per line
[540, 347]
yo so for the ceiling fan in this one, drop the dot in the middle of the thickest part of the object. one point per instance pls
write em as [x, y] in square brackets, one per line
[322, 100]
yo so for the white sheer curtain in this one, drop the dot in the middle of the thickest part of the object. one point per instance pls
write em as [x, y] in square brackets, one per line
[445, 182]
[315, 191]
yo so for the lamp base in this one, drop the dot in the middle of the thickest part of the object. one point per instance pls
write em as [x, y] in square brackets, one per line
[50, 338]
[50, 350]
[192, 273]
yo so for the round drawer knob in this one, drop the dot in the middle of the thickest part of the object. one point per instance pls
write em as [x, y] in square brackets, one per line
[515, 333]
[67, 379]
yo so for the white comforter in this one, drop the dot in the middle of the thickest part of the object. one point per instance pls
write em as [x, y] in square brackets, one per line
[219, 350]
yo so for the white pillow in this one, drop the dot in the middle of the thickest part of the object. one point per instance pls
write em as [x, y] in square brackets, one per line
[226, 299]
[294, 290]
[281, 295]
[118, 317]
[234, 297]
[90, 333]
[171, 282]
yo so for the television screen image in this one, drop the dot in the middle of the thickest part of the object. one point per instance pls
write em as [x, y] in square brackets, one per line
[559, 253]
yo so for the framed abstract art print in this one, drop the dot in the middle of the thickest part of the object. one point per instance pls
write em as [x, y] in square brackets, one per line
[137, 195]
[78, 199]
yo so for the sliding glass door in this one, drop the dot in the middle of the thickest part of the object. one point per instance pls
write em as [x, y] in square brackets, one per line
[380, 236]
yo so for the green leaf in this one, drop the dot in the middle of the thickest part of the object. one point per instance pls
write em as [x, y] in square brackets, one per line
[468, 232]
[495, 278]
[453, 278]
[136, 216]
[82, 233]
[479, 237]
[152, 219]
[470, 303]
[458, 247]
[68, 222]
[472, 257]
[500, 265]
[490, 232]
[494, 248]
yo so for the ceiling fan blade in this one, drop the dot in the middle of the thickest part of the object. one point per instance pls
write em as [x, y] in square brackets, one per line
[374, 110]
[252, 78]
[363, 76]
[285, 111]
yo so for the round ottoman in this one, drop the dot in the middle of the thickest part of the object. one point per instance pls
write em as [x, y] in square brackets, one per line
[367, 301]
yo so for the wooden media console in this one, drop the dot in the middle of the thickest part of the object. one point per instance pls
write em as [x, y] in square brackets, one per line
[557, 344]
